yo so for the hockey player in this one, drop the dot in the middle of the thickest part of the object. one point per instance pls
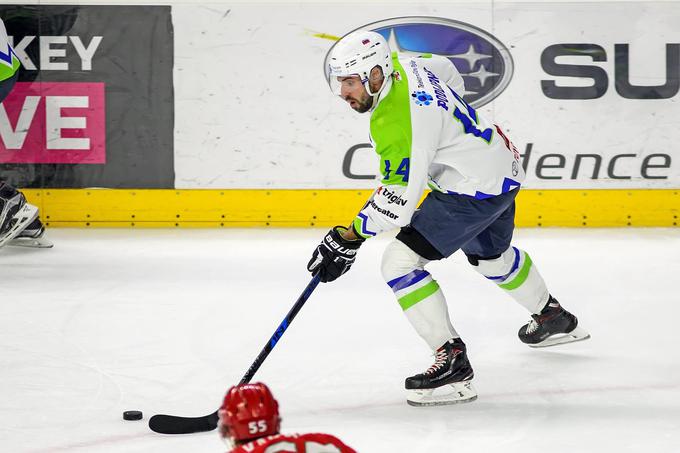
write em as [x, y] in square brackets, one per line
[250, 423]
[427, 135]
[19, 222]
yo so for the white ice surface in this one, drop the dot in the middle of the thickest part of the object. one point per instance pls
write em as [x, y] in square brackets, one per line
[164, 321]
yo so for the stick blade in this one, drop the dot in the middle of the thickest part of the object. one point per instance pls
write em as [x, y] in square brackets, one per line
[172, 424]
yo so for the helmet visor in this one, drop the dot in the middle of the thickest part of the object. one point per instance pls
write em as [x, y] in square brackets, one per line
[342, 85]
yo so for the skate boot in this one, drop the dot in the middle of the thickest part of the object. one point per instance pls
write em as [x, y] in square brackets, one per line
[447, 381]
[554, 325]
[32, 236]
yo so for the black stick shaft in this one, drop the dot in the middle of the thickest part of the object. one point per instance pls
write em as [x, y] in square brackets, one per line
[172, 424]
[280, 331]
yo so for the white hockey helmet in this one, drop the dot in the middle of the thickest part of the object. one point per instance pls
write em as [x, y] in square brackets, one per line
[356, 54]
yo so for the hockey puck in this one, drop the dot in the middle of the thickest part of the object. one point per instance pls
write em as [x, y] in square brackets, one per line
[132, 415]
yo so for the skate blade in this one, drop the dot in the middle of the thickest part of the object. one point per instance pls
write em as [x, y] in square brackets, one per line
[578, 334]
[38, 243]
[456, 393]
[27, 214]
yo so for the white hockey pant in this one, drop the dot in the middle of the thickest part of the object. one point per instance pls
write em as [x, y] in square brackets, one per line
[418, 294]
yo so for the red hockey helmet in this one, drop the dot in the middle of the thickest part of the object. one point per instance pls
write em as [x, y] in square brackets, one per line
[249, 412]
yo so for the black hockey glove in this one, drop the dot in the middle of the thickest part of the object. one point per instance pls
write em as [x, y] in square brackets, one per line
[334, 256]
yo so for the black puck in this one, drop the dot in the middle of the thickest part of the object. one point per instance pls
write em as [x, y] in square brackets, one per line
[132, 415]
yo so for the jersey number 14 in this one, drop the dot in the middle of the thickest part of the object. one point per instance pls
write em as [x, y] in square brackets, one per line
[402, 169]
[469, 121]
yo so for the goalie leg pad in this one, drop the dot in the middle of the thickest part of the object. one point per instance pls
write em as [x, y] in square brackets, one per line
[32, 236]
[458, 392]
[418, 294]
[15, 213]
[26, 214]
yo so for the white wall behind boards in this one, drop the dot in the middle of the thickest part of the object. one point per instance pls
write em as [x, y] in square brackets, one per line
[253, 109]
[591, 100]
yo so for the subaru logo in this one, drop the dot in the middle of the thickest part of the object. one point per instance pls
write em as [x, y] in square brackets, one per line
[483, 61]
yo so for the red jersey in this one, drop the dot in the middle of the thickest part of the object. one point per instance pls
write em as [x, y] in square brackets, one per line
[295, 443]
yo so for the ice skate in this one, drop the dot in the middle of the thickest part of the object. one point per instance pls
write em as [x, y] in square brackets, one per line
[32, 236]
[447, 381]
[15, 216]
[553, 326]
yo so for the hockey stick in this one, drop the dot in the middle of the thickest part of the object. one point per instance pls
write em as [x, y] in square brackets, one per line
[172, 424]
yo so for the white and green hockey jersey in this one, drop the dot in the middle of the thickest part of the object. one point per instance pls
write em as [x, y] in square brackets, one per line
[9, 63]
[427, 135]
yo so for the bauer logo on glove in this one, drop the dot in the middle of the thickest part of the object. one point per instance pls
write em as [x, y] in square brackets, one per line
[334, 256]
[338, 247]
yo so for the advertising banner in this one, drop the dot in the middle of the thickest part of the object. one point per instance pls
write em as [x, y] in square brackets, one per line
[93, 105]
[42, 134]
[588, 92]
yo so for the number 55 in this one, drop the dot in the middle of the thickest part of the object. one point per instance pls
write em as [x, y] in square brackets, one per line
[257, 427]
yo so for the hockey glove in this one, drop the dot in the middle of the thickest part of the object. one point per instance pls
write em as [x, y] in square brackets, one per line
[334, 256]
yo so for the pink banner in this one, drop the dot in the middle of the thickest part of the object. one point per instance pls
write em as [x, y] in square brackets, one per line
[53, 123]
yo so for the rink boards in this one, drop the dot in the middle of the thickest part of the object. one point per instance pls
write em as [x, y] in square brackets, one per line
[300, 208]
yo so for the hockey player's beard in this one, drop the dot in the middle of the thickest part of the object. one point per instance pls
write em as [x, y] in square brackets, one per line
[361, 106]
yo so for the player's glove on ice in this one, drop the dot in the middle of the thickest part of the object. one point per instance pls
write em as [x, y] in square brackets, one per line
[334, 256]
